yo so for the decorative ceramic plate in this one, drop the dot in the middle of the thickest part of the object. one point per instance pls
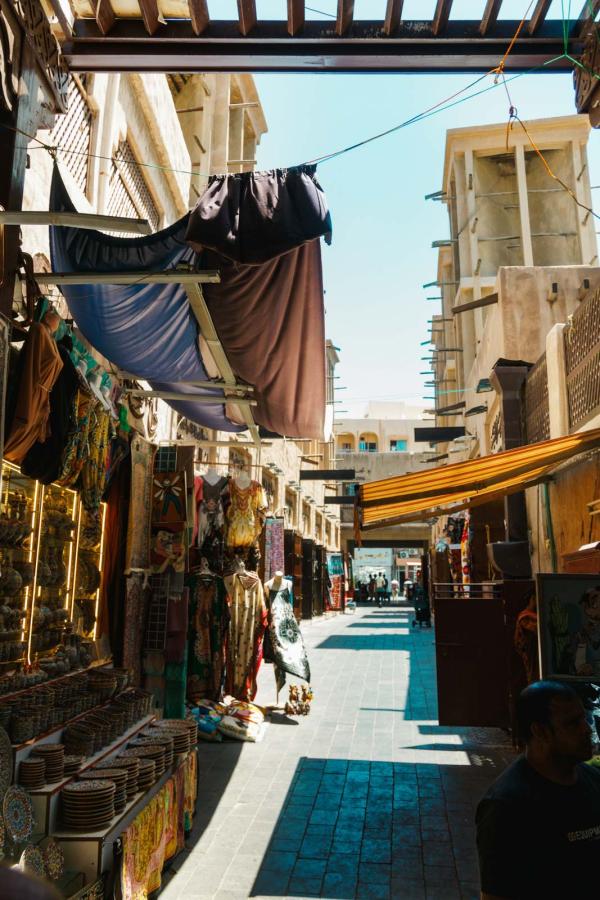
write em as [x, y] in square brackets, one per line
[18, 813]
[32, 861]
[6, 762]
[87, 787]
[54, 860]
[2, 836]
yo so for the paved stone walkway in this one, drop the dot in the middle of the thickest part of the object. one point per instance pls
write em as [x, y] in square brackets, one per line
[367, 797]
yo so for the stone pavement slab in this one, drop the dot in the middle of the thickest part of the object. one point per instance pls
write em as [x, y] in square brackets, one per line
[366, 797]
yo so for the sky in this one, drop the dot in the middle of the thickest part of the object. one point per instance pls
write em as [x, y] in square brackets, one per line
[376, 308]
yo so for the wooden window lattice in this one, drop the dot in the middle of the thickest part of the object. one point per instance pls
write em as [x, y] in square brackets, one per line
[582, 355]
[72, 133]
[129, 195]
[537, 403]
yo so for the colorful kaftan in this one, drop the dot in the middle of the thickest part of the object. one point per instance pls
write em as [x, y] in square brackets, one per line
[208, 628]
[245, 515]
[246, 633]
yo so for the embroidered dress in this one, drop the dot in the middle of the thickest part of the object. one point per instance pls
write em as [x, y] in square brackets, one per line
[77, 446]
[245, 514]
[209, 623]
[246, 633]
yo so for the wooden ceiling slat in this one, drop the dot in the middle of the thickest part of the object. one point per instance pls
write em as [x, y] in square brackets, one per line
[295, 16]
[246, 15]
[393, 16]
[538, 15]
[105, 16]
[588, 15]
[150, 15]
[490, 16]
[345, 15]
[199, 15]
[442, 14]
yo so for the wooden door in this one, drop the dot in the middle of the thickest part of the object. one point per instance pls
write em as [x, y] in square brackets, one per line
[308, 583]
[472, 664]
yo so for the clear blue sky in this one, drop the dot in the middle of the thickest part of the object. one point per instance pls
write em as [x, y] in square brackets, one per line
[383, 227]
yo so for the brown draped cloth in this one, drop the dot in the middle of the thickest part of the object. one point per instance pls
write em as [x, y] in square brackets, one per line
[111, 610]
[262, 231]
[41, 366]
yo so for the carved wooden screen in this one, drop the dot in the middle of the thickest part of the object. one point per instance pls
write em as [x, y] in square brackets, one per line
[537, 406]
[582, 354]
[129, 195]
[72, 133]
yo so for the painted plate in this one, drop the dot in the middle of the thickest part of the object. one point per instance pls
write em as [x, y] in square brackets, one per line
[18, 813]
[32, 861]
[6, 762]
[54, 860]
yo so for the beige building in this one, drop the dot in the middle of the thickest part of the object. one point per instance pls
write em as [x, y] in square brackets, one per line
[518, 280]
[143, 146]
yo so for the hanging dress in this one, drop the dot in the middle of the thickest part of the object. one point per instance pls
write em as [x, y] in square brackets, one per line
[246, 633]
[207, 645]
[287, 649]
[210, 504]
[245, 514]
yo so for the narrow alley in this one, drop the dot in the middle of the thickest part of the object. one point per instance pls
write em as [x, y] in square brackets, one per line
[367, 797]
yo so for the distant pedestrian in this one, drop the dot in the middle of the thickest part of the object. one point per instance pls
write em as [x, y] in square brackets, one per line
[386, 589]
[395, 598]
[380, 588]
[538, 826]
[372, 588]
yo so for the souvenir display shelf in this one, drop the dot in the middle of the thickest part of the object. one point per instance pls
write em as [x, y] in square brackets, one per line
[51, 555]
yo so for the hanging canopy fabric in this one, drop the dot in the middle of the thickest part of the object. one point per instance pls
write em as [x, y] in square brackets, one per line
[269, 319]
[466, 484]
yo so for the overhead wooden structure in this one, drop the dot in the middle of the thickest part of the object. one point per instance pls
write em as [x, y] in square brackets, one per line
[181, 36]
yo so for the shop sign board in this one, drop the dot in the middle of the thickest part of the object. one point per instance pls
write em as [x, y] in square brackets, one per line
[569, 626]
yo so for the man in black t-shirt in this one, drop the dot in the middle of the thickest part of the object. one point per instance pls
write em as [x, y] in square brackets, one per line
[538, 826]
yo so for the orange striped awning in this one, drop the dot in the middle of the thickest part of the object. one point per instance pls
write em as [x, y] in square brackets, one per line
[407, 498]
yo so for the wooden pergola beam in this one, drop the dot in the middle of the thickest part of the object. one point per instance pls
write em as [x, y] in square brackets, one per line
[105, 16]
[210, 276]
[490, 16]
[295, 16]
[150, 15]
[393, 16]
[246, 15]
[75, 220]
[345, 15]
[538, 15]
[441, 16]
[199, 15]
[588, 15]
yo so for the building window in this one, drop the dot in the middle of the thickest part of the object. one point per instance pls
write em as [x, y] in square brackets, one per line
[129, 195]
[398, 445]
[72, 131]
[368, 446]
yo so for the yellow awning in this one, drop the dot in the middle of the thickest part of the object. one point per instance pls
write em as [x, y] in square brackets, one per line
[471, 483]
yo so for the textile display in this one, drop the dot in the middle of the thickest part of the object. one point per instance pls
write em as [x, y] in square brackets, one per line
[39, 367]
[274, 547]
[76, 447]
[335, 568]
[43, 460]
[113, 586]
[246, 633]
[209, 626]
[285, 639]
[134, 619]
[140, 505]
[95, 467]
[244, 516]
[210, 501]
[242, 721]
[252, 217]
[157, 833]
[168, 498]
[269, 317]
[4, 353]
[465, 550]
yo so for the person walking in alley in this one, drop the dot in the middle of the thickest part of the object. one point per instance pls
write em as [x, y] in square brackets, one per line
[380, 589]
[538, 825]
[372, 588]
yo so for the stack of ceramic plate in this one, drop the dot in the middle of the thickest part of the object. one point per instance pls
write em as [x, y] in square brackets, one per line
[118, 776]
[88, 805]
[155, 752]
[178, 730]
[73, 764]
[79, 739]
[132, 766]
[163, 738]
[32, 773]
[147, 774]
[54, 757]
[193, 726]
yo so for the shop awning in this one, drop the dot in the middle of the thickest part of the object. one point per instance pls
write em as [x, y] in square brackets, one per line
[465, 484]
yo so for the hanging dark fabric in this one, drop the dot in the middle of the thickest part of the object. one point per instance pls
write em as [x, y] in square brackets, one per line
[253, 217]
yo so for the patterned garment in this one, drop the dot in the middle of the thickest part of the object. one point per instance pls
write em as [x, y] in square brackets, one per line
[77, 447]
[287, 646]
[274, 547]
[209, 625]
[246, 633]
[95, 468]
[140, 505]
[168, 498]
[245, 514]
[211, 500]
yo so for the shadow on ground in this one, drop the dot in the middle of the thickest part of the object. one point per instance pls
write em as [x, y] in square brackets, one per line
[352, 829]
